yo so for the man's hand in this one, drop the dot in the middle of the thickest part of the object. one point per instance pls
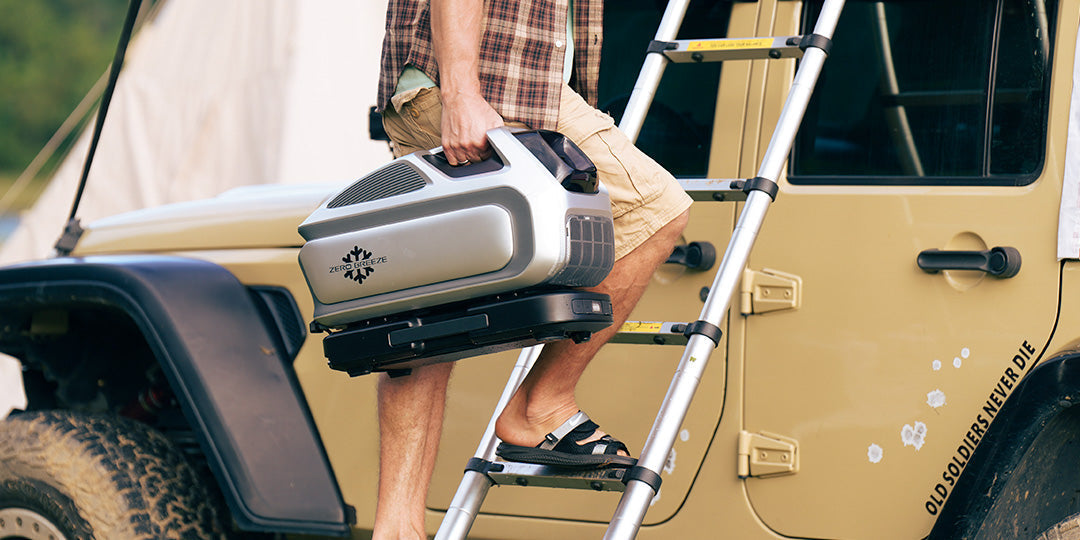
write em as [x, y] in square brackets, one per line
[466, 119]
[455, 31]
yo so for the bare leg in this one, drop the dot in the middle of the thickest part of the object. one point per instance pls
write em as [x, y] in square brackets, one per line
[410, 424]
[546, 397]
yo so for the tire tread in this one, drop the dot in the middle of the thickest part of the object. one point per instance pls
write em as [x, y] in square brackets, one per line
[126, 479]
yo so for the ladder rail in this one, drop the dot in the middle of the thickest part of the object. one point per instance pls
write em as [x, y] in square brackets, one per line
[635, 501]
[637, 107]
[757, 202]
[787, 126]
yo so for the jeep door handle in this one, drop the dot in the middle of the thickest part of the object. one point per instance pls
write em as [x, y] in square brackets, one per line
[1002, 262]
[695, 255]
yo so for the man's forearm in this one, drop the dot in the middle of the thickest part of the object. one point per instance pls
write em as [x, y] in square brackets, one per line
[456, 30]
[456, 27]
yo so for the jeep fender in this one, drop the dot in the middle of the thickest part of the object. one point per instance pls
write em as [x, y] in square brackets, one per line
[227, 371]
[1025, 472]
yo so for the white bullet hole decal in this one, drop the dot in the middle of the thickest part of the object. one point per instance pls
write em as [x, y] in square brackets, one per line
[913, 436]
[874, 453]
[935, 398]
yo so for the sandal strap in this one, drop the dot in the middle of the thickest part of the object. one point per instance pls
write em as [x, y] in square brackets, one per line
[552, 439]
[607, 445]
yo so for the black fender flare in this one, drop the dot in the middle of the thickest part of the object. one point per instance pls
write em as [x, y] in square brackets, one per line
[1036, 408]
[234, 383]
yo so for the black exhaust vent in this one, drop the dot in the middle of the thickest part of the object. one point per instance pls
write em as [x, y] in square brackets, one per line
[394, 179]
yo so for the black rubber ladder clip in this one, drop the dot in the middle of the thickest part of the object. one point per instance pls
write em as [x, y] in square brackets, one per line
[483, 467]
[657, 46]
[762, 184]
[641, 474]
[811, 40]
[706, 329]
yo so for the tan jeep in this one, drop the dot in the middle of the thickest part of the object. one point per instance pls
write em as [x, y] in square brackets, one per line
[865, 387]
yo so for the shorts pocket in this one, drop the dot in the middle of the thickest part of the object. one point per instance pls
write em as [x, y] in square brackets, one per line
[416, 123]
[633, 179]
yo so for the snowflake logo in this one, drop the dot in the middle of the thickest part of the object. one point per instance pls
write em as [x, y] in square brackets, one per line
[357, 271]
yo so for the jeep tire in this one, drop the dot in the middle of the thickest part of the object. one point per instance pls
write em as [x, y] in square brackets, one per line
[1066, 529]
[89, 476]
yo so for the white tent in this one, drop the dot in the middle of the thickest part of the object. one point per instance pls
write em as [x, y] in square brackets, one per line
[1069, 216]
[216, 95]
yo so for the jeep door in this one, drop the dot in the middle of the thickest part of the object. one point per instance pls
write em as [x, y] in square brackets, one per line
[936, 125]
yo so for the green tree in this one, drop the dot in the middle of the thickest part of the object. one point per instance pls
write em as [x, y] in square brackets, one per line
[51, 53]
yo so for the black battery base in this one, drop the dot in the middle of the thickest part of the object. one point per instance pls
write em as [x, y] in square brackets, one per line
[398, 343]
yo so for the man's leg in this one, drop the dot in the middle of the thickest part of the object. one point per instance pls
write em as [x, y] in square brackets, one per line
[410, 424]
[650, 210]
[546, 397]
[410, 408]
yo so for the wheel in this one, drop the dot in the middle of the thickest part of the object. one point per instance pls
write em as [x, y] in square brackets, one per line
[1066, 529]
[70, 476]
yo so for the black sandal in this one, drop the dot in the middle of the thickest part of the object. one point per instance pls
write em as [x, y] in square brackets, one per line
[561, 449]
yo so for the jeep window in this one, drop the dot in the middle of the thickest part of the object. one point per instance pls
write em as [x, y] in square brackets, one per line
[678, 129]
[924, 92]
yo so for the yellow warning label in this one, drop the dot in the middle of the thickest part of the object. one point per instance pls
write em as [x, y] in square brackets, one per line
[638, 326]
[728, 44]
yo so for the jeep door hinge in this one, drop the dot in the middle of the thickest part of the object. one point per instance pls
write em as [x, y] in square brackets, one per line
[766, 454]
[768, 290]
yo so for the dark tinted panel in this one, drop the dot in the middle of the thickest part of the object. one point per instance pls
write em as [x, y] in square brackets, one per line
[678, 128]
[930, 92]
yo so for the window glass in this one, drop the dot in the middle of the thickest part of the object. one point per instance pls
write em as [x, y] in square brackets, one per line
[930, 92]
[1018, 127]
[678, 129]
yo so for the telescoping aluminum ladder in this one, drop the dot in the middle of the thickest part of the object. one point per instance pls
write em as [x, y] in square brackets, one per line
[641, 483]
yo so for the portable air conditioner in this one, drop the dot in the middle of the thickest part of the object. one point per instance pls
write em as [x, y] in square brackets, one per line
[422, 262]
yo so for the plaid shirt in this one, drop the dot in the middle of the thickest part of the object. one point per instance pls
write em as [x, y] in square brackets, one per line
[521, 69]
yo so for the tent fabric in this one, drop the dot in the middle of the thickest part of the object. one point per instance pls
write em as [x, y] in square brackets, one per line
[217, 95]
[1069, 218]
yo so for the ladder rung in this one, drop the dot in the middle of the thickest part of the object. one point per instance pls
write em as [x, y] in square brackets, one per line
[651, 333]
[713, 189]
[718, 50]
[507, 473]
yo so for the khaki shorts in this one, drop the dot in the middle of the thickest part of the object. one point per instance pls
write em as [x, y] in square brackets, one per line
[644, 196]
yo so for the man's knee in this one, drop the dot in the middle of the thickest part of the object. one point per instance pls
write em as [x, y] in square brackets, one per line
[670, 233]
[678, 225]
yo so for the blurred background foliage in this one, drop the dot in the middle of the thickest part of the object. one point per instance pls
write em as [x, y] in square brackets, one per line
[51, 54]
